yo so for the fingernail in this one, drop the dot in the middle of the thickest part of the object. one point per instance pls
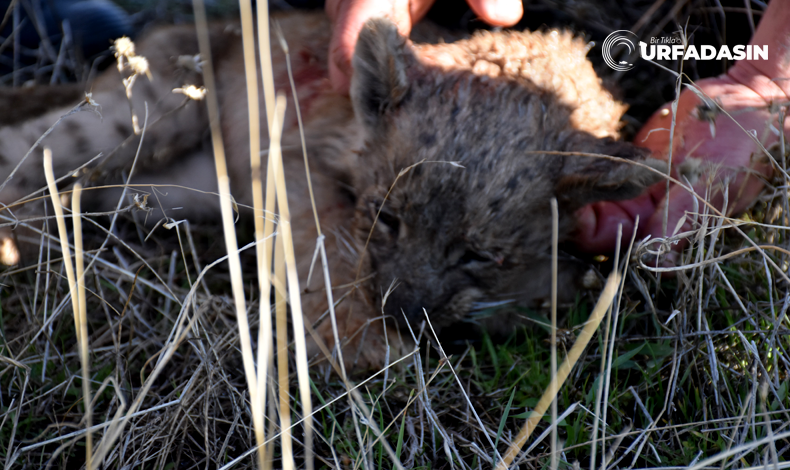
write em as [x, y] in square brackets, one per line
[507, 12]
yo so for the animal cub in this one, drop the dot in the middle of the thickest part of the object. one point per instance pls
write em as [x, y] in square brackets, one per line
[432, 181]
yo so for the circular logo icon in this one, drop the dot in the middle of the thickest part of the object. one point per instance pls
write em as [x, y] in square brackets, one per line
[619, 50]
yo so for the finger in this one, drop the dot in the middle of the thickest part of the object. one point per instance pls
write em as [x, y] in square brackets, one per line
[419, 8]
[732, 96]
[655, 133]
[339, 70]
[598, 224]
[498, 12]
[682, 206]
[679, 205]
[348, 17]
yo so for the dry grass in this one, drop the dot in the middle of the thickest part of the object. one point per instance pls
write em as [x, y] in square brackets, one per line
[690, 371]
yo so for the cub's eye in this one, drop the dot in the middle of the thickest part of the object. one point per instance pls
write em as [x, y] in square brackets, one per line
[386, 219]
[471, 256]
[391, 221]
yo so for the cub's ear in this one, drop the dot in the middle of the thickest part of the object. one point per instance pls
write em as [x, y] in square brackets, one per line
[379, 82]
[588, 179]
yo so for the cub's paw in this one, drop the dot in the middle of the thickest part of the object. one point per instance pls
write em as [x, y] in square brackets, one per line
[367, 343]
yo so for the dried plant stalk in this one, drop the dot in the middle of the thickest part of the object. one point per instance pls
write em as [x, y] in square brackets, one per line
[607, 296]
[77, 293]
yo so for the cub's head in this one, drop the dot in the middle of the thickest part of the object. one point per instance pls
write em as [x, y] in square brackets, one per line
[453, 188]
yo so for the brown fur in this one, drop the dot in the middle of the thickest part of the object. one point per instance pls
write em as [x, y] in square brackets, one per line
[451, 237]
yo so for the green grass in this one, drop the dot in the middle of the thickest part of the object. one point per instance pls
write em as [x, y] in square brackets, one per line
[655, 368]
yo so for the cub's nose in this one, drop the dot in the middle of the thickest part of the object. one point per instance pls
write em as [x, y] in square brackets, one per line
[405, 305]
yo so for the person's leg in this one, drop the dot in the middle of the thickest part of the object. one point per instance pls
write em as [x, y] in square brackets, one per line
[40, 26]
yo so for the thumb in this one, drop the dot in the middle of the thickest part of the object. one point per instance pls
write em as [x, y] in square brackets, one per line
[348, 18]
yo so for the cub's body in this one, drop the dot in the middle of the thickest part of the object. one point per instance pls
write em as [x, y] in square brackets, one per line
[466, 226]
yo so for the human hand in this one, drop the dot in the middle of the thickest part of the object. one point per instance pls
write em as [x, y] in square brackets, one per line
[731, 154]
[348, 16]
